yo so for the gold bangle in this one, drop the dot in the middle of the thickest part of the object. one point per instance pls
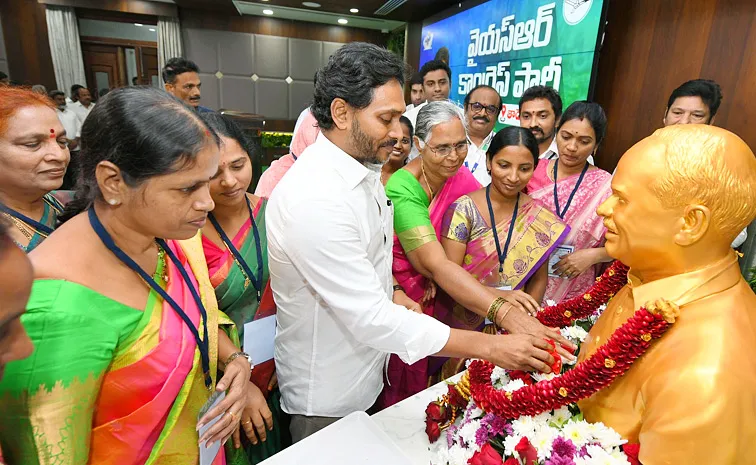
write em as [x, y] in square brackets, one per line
[502, 318]
[494, 307]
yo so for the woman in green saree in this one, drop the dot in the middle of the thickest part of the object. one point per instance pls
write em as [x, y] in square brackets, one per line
[122, 314]
[34, 156]
[236, 250]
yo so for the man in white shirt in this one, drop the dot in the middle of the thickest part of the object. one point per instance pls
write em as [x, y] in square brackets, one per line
[436, 78]
[540, 110]
[482, 105]
[83, 105]
[72, 125]
[417, 96]
[330, 229]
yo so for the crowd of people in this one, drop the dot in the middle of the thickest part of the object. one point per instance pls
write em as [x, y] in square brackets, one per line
[393, 243]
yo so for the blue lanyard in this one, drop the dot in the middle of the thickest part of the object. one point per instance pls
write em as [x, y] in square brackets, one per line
[502, 254]
[41, 227]
[572, 194]
[203, 345]
[257, 283]
[472, 170]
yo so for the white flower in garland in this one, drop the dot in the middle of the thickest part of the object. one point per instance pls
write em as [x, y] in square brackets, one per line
[574, 333]
[543, 376]
[524, 426]
[542, 440]
[499, 377]
[598, 456]
[510, 442]
[458, 455]
[579, 432]
[472, 412]
[514, 385]
[605, 436]
[561, 416]
[467, 434]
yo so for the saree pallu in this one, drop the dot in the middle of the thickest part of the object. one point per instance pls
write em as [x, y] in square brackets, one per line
[108, 383]
[537, 232]
[241, 306]
[587, 228]
[417, 221]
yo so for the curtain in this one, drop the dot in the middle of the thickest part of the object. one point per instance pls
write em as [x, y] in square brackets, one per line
[63, 32]
[169, 41]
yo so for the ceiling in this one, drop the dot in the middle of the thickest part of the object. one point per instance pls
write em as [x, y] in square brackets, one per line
[408, 11]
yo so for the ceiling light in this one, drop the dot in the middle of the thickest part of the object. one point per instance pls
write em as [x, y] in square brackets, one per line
[152, 29]
[354, 10]
[139, 25]
[267, 12]
[311, 4]
[343, 21]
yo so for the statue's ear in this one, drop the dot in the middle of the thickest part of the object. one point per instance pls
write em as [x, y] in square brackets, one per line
[696, 222]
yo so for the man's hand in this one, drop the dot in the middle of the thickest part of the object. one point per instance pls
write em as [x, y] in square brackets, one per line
[400, 298]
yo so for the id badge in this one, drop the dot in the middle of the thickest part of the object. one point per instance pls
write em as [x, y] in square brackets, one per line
[208, 454]
[557, 255]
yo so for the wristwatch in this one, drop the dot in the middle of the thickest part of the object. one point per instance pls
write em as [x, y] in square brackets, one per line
[236, 355]
[398, 287]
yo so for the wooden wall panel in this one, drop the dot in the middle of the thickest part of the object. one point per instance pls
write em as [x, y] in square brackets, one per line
[652, 47]
[28, 49]
[197, 19]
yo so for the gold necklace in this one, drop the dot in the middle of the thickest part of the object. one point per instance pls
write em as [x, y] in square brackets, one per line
[422, 169]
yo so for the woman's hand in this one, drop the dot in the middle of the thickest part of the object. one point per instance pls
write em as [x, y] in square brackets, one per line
[236, 380]
[430, 292]
[517, 322]
[520, 352]
[519, 299]
[255, 418]
[400, 298]
[576, 263]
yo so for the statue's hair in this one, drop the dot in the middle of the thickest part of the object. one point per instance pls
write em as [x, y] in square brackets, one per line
[712, 167]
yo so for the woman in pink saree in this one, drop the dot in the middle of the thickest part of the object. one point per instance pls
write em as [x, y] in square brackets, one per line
[573, 189]
[421, 192]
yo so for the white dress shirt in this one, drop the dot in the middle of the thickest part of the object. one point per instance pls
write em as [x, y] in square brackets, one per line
[330, 230]
[81, 111]
[553, 152]
[71, 124]
[475, 161]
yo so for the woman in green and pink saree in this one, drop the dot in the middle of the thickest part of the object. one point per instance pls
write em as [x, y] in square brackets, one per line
[236, 249]
[499, 235]
[421, 193]
[122, 314]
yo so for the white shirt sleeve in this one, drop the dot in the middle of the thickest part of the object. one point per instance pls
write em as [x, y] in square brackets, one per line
[324, 244]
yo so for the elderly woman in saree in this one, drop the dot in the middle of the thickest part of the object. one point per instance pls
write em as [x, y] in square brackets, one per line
[421, 193]
[502, 237]
[34, 156]
[122, 314]
[572, 188]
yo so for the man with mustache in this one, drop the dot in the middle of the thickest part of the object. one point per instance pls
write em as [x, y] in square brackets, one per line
[482, 105]
[330, 238]
[181, 78]
[540, 110]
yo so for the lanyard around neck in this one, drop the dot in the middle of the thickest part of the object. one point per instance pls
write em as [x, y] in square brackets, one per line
[562, 213]
[246, 270]
[202, 344]
[41, 227]
[502, 254]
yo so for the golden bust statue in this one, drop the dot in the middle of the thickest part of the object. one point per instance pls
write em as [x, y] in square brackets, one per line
[679, 198]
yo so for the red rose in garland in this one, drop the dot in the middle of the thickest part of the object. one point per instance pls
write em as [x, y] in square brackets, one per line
[433, 430]
[455, 398]
[527, 452]
[486, 456]
[437, 412]
[632, 451]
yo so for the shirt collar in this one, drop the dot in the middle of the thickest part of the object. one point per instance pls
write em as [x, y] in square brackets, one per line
[352, 171]
[687, 287]
[552, 150]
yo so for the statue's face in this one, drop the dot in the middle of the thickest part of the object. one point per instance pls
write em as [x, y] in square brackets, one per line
[641, 232]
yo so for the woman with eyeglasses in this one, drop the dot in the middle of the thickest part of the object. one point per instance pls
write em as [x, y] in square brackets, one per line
[122, 314]
[421, 193]
[400, 153]
[34, 157]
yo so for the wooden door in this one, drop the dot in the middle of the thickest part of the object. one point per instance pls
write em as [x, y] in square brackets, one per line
[150, 70]
[102, 66]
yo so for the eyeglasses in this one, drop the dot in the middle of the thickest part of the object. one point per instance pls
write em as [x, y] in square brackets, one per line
[446, 150]
[490, 109]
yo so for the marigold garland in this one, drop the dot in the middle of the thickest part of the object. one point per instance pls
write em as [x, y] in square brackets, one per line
[577, 308]
[611, 360]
